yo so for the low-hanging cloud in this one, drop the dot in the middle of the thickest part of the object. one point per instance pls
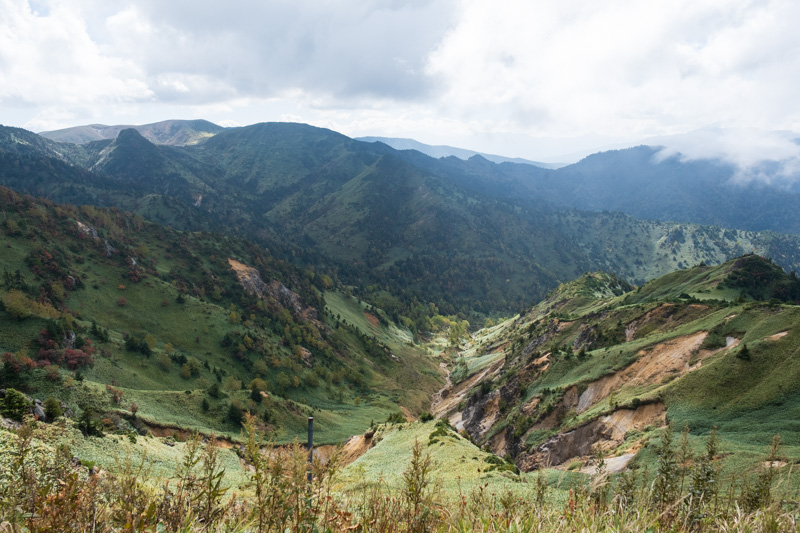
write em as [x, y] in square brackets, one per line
[624, 69]
[768, 157]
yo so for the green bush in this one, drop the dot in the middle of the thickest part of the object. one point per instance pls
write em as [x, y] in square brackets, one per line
[15, 405]
[395, 418]
[52, 408]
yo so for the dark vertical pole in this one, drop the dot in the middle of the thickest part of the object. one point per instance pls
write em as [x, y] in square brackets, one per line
[310, 444]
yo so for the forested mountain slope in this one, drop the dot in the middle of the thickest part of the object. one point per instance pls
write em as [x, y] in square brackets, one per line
[404, 229]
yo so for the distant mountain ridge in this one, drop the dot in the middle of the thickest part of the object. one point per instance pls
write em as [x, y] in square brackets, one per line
[440, 151]
[401, 227]
[170, 132]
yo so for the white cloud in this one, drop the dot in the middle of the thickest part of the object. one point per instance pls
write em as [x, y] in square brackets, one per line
[522, 78]
[772, 157]
[621, 68]
[50, 61]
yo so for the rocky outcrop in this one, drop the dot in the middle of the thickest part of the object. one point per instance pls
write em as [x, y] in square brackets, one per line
[290, 300]
[249, 279]
[251, 282]
[87, 230]
[587, 337]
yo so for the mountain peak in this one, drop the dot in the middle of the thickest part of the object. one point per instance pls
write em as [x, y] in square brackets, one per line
[169, 132]
[130, 135]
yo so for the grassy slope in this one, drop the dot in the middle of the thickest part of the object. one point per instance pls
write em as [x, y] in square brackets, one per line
[352, 388]
[460, 467]
[748, 400]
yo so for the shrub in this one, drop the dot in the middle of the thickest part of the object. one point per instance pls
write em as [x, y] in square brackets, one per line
[88, 423]
[395, 418]
[744, 353]
[235, 414]
[214, 391]
[15, 405]
[52, 408]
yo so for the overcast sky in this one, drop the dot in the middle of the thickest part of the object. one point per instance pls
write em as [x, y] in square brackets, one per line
[528, 78]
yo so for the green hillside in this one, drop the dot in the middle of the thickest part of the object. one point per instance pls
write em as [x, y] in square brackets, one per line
[402, 229]
[169, 132]
[593, 367]
[556, 419]
[191, 327]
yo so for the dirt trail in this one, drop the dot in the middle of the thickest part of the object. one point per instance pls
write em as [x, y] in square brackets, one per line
[662, 360]
[182, 434]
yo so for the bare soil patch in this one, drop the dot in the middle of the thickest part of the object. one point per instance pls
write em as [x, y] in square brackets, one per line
[372, 319]
[607, 432]
[662, 360]
[356, 446]
[777, 336]
[450, 398]
[182, 434]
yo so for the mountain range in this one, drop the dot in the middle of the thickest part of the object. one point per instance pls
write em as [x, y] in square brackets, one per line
[469, 236]
[440, 151]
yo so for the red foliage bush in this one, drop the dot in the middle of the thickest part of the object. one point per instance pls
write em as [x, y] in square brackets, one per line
[75, 359]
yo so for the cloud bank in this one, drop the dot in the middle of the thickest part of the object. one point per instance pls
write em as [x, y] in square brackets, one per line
[529, 79]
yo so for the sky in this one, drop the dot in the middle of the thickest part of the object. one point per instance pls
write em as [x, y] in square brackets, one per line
[540, 79]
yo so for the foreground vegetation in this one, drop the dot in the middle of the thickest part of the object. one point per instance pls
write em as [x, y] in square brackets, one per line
[44, 489]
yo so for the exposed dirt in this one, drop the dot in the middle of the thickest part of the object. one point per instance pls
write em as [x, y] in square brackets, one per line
[607, 432]
[249, 278]
[662, 360]
[731, 342]
[182, 434]
[614, 465]
[556, 416]
[373, 320]
[450, 398]
[658, 312]
[491, 414]
[777, 336]
[441, 394]
[528, 408]
[564, 325]
[623, 420]
[356, 446]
